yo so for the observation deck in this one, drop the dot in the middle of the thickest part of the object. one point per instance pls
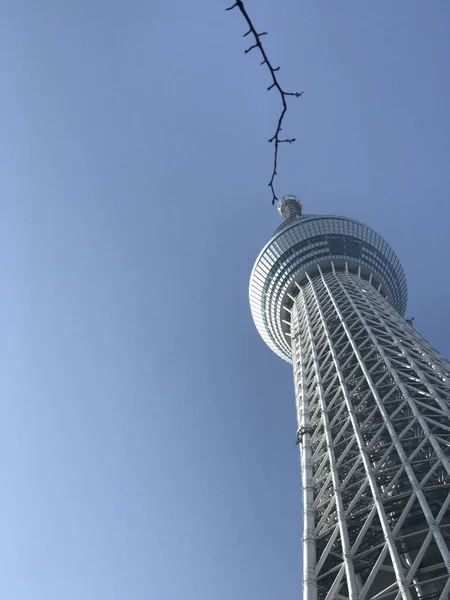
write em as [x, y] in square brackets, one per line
[299, 246]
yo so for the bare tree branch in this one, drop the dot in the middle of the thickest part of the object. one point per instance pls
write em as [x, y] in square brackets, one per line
[275, 139]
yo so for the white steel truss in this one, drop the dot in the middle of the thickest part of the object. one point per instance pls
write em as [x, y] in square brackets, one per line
[373, 403]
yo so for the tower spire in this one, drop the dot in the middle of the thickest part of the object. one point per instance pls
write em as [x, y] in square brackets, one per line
[290, 207]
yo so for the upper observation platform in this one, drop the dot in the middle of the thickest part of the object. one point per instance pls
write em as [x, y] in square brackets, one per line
[298, 246]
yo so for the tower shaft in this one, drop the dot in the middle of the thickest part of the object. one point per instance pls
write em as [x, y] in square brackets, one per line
[373, 404]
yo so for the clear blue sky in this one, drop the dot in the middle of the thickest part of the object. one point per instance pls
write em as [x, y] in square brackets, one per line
[146, 433]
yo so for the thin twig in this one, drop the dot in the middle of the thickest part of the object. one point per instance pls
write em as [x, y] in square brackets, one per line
[275, 139]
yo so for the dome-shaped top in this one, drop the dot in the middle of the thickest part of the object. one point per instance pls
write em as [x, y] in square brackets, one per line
[301, 243]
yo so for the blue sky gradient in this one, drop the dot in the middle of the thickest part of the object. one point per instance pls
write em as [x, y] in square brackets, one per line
[147, 434]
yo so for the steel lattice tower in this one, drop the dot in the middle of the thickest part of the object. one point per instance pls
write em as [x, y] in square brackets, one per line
[373, 403]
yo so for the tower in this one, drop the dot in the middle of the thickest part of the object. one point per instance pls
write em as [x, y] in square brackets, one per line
[328, 295]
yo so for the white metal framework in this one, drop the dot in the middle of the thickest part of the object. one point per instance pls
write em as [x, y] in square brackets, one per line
[373, 402]
[373, 405]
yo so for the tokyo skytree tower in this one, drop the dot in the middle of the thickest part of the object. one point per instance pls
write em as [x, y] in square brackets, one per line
[328, 295]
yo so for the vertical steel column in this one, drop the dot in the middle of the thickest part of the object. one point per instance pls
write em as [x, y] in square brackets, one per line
[304, 440]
